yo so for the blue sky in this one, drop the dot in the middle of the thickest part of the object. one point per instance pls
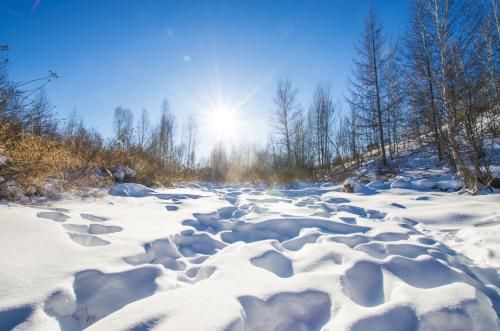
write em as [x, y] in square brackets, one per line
[135, 53]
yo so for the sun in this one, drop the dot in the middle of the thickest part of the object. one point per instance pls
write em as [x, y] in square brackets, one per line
[223, 123]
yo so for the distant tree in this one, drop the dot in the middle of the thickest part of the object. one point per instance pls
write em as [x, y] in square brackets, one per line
[72, 125]
[166, 133]
[352, 134]
[123, 123]
[218, 163]
[143, 128]
[299, 141]
[321, 115]
[39, 118]
[285, 115]
[191, 141]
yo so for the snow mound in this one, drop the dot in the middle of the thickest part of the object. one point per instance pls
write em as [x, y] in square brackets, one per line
[401, 182]
[452, 184]
[274, 262]
[424, 184]
[351, 185]
[130, 190]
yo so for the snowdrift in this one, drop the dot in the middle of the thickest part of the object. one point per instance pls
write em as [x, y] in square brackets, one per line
[247, 258]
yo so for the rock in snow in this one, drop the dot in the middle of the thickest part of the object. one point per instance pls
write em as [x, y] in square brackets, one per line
[351, 185]
[121, 173]
[213, 257]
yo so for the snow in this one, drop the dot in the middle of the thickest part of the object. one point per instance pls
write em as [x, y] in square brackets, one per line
[424, 184]
[451, 184]
[403, 255]
[401, 182]
[130, 190]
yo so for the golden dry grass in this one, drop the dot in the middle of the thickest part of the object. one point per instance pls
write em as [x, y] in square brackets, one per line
[32, 161]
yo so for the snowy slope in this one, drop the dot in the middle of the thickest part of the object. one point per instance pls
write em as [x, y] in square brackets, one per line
[208, 257]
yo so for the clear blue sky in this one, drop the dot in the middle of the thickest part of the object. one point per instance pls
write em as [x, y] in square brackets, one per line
[134, 53]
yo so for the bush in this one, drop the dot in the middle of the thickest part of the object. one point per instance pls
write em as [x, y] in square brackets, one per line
[31, 160]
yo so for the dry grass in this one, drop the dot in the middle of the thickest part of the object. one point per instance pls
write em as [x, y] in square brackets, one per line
[75, 162]
[31, 160]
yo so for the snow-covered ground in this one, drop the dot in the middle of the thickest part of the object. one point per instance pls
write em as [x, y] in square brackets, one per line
[207, 257]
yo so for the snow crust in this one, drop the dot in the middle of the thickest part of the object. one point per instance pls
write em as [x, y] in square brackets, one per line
[210, 257]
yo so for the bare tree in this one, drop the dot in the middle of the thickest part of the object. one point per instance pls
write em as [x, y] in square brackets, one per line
[162, 142]
[421, 77]
[367, 86]
[191, 142]
[25, 104]
[299, 141]
[394, 96]
[285, 116]
[322, 114]
[218, 163]
[123, 122]
[143, 128]
[39, 118]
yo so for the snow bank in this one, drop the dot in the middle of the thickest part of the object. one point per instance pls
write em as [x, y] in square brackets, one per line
[424, 184]
[401, 182]
[452, 184]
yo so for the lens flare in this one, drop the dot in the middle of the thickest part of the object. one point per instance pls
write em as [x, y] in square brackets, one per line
[36, 4]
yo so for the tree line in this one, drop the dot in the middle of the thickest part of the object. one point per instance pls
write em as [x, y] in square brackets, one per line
[435, 85]
[158, 141]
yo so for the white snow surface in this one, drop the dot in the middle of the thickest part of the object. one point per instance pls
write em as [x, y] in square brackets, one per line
[209, 257]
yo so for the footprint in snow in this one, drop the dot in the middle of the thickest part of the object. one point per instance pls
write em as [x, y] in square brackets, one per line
[284, 311]
[337, 200]
[55, 216]
[274, 262]
[171, 208]
[93, 218]
[348, 220]
[10, 318]
[88, 240]
[363, 284]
